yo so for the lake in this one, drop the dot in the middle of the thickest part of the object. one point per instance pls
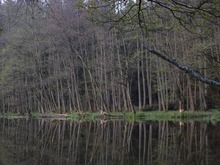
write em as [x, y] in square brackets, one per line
[63, 142]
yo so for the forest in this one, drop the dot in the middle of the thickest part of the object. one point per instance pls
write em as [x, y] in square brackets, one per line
[66, 56]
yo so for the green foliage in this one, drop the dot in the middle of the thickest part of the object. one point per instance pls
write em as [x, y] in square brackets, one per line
[74, 116]
[36, 114]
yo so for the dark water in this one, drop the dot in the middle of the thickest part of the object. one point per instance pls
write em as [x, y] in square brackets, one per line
[52, 142]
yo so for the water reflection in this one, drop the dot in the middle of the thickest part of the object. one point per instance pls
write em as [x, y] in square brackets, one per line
[48, 142]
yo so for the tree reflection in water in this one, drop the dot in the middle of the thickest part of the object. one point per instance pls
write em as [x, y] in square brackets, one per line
[53, 142]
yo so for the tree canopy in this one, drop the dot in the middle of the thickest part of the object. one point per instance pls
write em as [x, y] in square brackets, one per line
[64, 55]
[198, 18]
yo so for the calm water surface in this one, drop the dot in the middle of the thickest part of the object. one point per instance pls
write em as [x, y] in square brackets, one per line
[53, 142]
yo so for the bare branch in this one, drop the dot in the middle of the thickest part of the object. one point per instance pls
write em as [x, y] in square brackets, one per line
[185, 68]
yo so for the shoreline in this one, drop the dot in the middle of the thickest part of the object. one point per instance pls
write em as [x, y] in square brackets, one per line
[126, 116]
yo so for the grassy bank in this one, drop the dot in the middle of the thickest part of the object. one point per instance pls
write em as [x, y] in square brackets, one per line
[213, 115]
[147, 116]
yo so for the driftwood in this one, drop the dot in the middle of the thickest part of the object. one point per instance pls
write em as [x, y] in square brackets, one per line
[106, 115]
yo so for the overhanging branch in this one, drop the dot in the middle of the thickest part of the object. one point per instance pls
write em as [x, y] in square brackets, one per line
[185, 68]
